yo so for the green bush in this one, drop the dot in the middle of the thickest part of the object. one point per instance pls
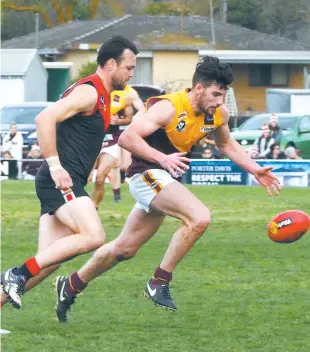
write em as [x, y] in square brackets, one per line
[87, 69]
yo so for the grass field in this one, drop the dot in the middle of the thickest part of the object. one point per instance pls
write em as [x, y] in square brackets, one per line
[236, 290]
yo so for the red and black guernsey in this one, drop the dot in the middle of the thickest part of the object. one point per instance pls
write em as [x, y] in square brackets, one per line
[79, 138]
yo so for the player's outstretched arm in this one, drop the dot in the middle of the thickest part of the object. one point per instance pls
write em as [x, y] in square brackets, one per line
[239, 156]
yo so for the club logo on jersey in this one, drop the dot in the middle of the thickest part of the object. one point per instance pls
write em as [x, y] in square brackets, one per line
[102, 99]
[209, 120]
[181, 126]
[183, 115]
[116, 101]
[206, 129]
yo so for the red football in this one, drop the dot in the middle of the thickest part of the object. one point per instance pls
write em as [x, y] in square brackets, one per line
[288, 226]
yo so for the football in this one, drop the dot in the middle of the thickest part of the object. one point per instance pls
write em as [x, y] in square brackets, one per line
[288, 226]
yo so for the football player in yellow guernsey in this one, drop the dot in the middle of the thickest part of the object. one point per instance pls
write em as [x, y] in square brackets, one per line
[122, 104]
[159, 141]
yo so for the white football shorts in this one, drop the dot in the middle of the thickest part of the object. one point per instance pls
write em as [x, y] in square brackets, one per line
[144, 187]
[114, 150]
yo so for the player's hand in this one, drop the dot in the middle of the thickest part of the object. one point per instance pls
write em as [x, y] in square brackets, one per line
[176, 163]
[61, 178]
[269, 180]
[114, 120]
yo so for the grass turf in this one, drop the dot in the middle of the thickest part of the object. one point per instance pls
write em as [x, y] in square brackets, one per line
[235, 291]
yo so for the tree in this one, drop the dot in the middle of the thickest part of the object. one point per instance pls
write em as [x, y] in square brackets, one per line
[65, 10]
[245, 13]
[86, 70]
[168, 9]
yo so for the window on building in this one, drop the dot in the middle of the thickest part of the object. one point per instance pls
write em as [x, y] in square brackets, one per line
[143, 71]
[263, 75]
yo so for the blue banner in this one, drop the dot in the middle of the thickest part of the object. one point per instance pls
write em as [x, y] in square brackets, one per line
[219, 172]
[216, 172]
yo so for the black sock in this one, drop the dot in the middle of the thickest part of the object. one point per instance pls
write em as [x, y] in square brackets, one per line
[22, 270]
[117, 193]
[123, 176]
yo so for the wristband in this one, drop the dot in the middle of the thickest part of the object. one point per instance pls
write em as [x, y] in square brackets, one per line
[54, 163]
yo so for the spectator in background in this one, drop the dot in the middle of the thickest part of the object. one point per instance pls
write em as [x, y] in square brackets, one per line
[12, 165]
[291, 154]
[275, 152]
[6, 155]
[254, 153]
[275, 130]
[264, 142]
[207, 143]
[31, 167]
[13, 143]
[207, 154]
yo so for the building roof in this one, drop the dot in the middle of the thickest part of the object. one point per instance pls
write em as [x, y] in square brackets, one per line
[56, 39]
[259, 56]
[154, 33]
[15, 62]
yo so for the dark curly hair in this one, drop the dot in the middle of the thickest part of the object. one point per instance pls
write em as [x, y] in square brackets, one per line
[209, 70]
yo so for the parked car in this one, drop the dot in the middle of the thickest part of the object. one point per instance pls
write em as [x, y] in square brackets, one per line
[23, 115]
[295, 127]
[146, 91]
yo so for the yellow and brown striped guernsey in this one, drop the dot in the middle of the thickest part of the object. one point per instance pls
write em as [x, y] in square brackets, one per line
[184, 131]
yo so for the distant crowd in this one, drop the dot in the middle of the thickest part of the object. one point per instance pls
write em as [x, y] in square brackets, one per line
[266, 146]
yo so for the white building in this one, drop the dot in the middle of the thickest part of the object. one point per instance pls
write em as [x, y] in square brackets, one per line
[23, 76]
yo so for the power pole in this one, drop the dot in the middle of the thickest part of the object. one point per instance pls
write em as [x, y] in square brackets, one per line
[223, 11]
[212, 24]
[37, 30]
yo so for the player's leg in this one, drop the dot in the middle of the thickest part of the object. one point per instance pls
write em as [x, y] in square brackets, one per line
[115, 178]
[138, 229]
[105, 163]
[125, 163]
[50, 230]
[80, 216]
[177, 201]
[125, 159]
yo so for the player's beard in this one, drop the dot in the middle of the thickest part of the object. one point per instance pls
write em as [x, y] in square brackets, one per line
[206, 111]
[210, 110]
[117, 84]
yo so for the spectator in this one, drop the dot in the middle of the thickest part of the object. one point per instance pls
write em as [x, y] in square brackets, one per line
[206, 143]
[7, 155]
[291, 154]
[276, 131]
[207, 154]
[275, 152]
[31, 167]
[264, 142]
[254, 153]
[12, 165]
[13, 142]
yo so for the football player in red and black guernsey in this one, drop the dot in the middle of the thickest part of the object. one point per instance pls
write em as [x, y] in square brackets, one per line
[70, 134]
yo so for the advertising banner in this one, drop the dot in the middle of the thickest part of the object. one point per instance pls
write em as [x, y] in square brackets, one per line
[219, 172]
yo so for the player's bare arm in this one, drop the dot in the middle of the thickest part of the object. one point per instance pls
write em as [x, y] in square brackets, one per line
[137, 103]
[82, 99]
[237, 154]
[158, 116]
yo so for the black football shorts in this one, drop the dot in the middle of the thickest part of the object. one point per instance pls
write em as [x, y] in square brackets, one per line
[51, 198]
